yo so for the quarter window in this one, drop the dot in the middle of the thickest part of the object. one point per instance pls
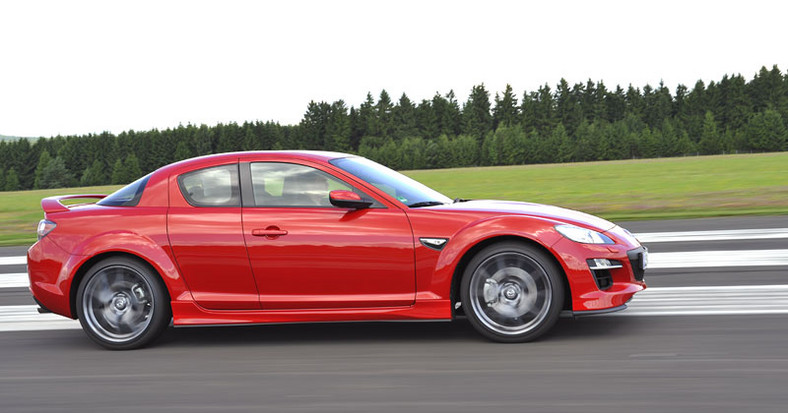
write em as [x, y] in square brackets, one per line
[211, 187]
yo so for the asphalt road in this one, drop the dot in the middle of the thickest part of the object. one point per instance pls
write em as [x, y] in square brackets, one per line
[687, 363]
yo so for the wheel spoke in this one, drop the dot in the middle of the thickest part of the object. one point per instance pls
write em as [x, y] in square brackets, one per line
[118, 303]
[510, 293]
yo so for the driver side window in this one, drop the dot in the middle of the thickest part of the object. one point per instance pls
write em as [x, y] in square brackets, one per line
[277, 184]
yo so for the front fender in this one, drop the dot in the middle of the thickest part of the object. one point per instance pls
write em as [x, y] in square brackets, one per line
[463, 240]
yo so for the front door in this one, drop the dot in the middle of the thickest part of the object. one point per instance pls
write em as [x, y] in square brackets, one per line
[306, 253]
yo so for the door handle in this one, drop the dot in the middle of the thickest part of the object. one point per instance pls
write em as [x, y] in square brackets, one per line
[270, 232]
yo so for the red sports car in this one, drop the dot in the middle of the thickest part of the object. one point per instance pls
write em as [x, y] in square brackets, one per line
[271, 237]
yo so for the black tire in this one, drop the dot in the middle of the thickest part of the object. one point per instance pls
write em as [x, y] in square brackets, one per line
[122, 304]
[512, 292]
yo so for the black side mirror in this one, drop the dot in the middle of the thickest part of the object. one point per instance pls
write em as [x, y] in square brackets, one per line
[347, 199]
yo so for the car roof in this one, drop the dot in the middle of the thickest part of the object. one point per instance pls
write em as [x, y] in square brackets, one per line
[316, 156]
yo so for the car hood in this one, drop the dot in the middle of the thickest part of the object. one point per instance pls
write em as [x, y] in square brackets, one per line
[535, 210]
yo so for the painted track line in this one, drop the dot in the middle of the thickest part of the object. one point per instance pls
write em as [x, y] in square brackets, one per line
[13, 260]
[27, 318]
[657, 260]
[664, 301]
[717, 235]
[14, 280]
[712, 300]
[711, 259]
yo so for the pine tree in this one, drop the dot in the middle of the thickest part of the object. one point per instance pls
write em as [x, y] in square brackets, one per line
[734, 103]
[476, 117]
[544, 111]
[766, 132]
[43, 160]
[118, 173]
[313, 125]
[182, 151]
[369, 124]
[615, 105]
[55, 175]
[490, 150]
[447, 112]
[94, 175]
[513, 145]
[132, 167]
[355, 128]
[202, 141]
[2, 179]
[250, 141]
[556, 149]
[384, 110]
[710, 137]
[506, 111]
[405, 121]
[12, 180]
[338, 129]
[427, 121]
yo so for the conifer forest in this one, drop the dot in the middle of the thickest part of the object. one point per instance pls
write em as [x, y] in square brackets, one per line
[553, 124]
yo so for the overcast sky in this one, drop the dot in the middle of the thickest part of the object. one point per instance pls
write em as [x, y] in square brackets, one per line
[78, 67]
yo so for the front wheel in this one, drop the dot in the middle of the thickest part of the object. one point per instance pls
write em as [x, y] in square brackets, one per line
[512, 292]
[122, 304]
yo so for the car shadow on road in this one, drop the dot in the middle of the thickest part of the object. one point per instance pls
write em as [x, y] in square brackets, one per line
[371, 332]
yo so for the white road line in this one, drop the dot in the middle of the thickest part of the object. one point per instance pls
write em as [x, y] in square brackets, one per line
[718, 235]
[14, 280]
[711, 300]
[27, 318]
[657, 260]
[13, 260]
[665, 301]
[708, 259]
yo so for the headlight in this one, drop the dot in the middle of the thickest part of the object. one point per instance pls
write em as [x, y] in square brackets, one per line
[582, 235]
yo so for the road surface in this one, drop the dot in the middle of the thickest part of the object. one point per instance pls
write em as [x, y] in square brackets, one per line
[710, 335]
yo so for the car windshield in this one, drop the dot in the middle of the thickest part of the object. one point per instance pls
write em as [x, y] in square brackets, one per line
[404, 189]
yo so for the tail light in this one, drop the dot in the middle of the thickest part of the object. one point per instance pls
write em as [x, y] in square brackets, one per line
[45, 227]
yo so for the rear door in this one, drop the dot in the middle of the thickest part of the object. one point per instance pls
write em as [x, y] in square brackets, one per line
[205, 231]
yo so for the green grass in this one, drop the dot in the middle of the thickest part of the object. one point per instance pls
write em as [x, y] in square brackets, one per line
[20, 211]
[688, 187]
[620, 190]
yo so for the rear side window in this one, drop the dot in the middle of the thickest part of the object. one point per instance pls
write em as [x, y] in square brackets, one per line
[128, 196]
[216, 186]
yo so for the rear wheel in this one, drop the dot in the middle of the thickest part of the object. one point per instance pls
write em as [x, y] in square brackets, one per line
[122, 304]
[512, 292]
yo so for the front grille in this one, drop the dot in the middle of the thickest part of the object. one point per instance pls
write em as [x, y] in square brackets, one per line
[638, 259]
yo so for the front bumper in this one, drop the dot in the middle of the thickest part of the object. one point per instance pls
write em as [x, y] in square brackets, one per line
[606, 289]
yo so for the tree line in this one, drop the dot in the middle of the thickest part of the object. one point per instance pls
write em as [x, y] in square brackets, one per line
[567, 123]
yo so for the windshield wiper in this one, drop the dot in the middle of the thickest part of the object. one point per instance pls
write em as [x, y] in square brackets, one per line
[456, 200]
[425, 203]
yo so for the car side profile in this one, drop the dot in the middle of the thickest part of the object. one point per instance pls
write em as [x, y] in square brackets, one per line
[300, 236]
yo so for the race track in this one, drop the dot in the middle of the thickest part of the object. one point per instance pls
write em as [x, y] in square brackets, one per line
[710, 335]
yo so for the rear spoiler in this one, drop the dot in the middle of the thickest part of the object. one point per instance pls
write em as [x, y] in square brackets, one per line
[52, 204]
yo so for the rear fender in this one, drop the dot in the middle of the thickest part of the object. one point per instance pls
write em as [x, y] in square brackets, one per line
[155, 253]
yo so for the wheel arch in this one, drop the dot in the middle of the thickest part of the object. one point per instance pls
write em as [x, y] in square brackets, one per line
[462, 264]
[83, 269]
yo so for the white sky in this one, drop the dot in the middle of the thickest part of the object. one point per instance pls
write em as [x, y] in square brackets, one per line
[78, 67]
